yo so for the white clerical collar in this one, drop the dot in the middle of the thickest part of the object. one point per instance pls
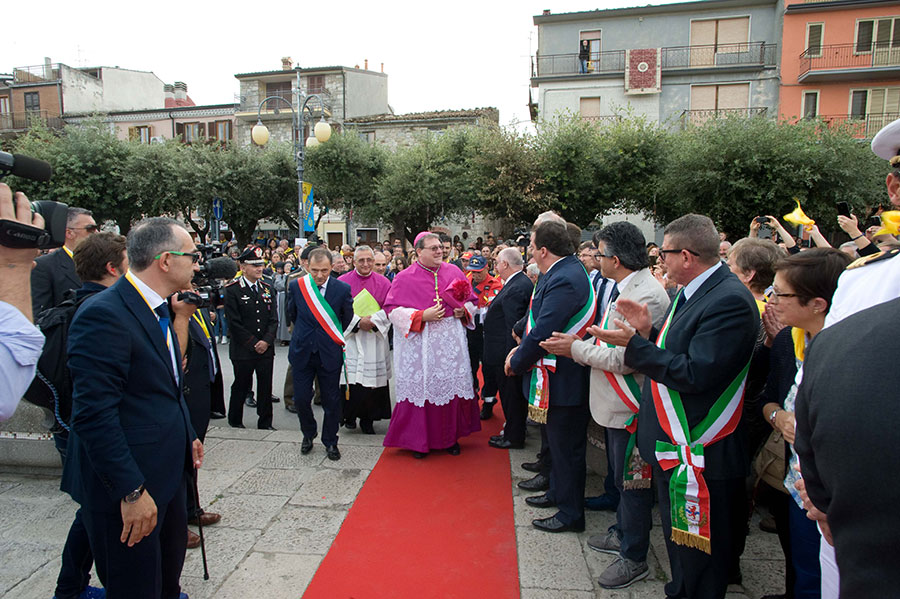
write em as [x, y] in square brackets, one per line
[694, 285]
[359, 274]
[153, 298]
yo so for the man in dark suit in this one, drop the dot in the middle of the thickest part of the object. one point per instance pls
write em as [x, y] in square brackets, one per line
[54, 274]
[317, 347]
[132, 439]
[510, 305]
[695, 360]
[562, 297]
[252, 316]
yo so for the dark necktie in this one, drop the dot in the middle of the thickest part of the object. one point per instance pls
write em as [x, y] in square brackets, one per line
[600, 290]
[615, 293]
[322, 290]
[681, 301]
[162, 311]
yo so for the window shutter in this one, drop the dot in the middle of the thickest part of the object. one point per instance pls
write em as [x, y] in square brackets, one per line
[132, 133]
[864, 31]
[732, 32]
[814, 42]
[201, 130]
[703, 97]
[228, 127]
[734, 96]
[179, 130]
[590, 107]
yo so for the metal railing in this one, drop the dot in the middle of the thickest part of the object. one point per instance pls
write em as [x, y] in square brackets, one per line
[19, 121]
[758, 54]
[250, 102]
[603, 119]
[849, 56]
[861, 127]
[700, 116]
[40, 73]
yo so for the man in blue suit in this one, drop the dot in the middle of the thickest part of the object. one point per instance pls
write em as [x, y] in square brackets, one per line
[321, 308]
[563, 293]
[132, 439]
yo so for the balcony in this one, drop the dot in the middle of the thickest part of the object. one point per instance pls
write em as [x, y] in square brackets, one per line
[752, 55]
[860, 127]
[700, 116]
[42, 73]
[844, 62]
[11, 122]
[246, 105]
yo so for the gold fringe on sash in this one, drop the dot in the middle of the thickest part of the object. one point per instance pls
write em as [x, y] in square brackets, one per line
[537, 414]
[683, 537]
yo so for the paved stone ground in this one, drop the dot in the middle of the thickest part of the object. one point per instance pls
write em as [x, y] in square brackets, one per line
[281, 511]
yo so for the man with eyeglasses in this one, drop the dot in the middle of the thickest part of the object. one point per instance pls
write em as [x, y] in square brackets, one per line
[54, 274]
[253, 320]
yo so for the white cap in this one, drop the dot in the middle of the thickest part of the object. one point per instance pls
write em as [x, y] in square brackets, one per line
[886, 143]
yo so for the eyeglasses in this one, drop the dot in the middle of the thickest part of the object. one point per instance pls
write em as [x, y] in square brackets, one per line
[678, 250]
[602, 255]
[88, 228]
[435, 248]
[777, 296]
[195, 256]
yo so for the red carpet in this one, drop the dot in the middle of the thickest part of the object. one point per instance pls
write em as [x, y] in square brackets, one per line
[441, 528]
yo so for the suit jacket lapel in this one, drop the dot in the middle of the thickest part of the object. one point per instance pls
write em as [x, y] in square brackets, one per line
[148, 321]
[68, 267]
[708, 285]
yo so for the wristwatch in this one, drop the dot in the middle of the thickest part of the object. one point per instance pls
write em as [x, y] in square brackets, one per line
[134, 495]
[772, 416]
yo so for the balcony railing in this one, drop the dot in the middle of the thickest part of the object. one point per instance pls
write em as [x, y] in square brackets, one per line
[759, 54]
[700, 116]
[41, 73]
[250, 102]
[19, 121]
[849, 56]
[605, 119]
[861, 127]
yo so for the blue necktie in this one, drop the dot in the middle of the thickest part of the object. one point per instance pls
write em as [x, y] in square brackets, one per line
[162, 311]
[615, 293]
[599, 290]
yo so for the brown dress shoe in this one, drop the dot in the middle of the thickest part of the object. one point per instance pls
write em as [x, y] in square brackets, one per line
[206, 519]
[193, 540]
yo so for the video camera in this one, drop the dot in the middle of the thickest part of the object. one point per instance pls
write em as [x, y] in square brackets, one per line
[214, 266]
[21, 236]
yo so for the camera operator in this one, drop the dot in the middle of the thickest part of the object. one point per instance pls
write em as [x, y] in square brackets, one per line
[20, 341]
[54, 274]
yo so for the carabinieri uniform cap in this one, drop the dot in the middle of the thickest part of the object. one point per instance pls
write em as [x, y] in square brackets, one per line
[886, 143]
[252, 255]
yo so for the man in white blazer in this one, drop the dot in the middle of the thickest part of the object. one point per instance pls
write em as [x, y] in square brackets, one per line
[615, 396]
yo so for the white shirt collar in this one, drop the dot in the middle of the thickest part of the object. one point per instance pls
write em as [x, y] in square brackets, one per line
[694, 285]
[509, 278]
[153, 298]
[248, 283]
[324, 285]
[621, 284]
[554, 264]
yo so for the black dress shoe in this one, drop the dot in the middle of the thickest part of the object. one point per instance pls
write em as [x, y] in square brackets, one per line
[540, 501]
[554, 524]
[532, 467]
[276, 399]
[453, 449]
[292, 408]
[505, 444]
[496, 438]
[233, 425]
[539, 482]
[350, 423]
[306, 445]
[366, 427]
[250, 402]
[268, 428]
[216, 415]
[419, 455]
[333, 453]
[487, 410]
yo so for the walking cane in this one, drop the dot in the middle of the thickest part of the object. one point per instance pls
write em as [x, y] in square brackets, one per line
[200, 526]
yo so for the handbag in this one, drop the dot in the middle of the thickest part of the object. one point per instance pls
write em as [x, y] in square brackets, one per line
[770, 465]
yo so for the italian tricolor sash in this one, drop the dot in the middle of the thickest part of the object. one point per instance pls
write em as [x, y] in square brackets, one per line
[688, 494]
[539, 389]
[325, 316]
[637, 473]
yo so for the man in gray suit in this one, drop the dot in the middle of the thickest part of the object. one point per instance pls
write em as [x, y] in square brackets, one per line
[54, 274]
[615, 398]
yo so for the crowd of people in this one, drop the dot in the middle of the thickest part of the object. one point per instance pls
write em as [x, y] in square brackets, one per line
[717, 376]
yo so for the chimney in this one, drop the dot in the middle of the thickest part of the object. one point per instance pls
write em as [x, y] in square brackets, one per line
[169, 92]
[286, 63]
[366, 63]
[382, 67]
[546, 11]
[180, 90]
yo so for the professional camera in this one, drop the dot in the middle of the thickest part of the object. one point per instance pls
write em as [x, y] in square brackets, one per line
[213, 268]
[21, 236]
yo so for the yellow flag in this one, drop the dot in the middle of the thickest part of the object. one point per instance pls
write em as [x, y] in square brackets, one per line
[364, 304]
[890, 223]
[797, 217]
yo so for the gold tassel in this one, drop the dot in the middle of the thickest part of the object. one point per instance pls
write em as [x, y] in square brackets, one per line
[683, 537]
[537, 414]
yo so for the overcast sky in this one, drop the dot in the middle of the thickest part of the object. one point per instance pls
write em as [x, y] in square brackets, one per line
[448, 55]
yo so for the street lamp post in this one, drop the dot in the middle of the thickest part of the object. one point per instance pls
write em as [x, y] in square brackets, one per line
[321, 133]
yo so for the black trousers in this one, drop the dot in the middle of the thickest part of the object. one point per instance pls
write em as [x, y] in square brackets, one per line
[697, 574]
[514, 402]
[243, 381]
[475, 342]
[330, 388]
[151, 569]
[567, 438]
[77, 559]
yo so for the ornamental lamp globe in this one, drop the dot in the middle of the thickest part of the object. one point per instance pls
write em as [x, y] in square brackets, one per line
[260, 134]
[322, 131]
[311, 142]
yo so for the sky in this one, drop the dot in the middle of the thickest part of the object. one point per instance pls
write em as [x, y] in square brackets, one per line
[438, 56]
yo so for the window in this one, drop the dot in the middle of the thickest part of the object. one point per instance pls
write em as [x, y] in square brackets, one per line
[593, 39]
[220, 130]
[710, 37]
[720, 97]
[877, 34]
[140, 134]
[4, 105]
[590, 108]
[810, 104]
[883, 103]
[190, 132]
[281, 89]
[814, 36]
[367, 136]
[32, 101]
[315, 84]
[858, 101]
[367, 236]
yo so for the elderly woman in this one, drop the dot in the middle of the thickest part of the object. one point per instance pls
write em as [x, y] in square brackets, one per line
[802, 290]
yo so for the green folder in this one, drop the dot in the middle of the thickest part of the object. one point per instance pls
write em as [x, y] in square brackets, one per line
[364, 304]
